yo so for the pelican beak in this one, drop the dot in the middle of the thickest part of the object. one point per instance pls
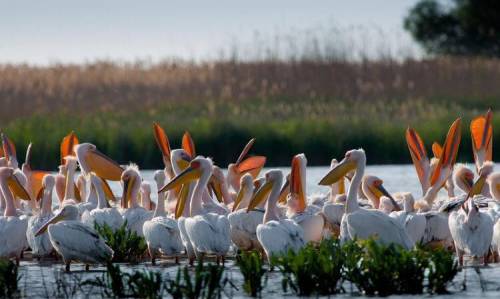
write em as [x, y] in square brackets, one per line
[468, 181]
[338, 172]
[252, 165]
[103, 166]
[181, 201]
[450, 150]
[379, 190]
[162, 142]
[216, 187]
[128, 183]
[341, 186]
[67, 145]
[39, 195]
[418, 153]
[239, 197]
[107, 190]
[191, 173]
[260, 195]
[9, 149]
[478, 186]
[17, 188]
[285, 190]
[297, 182]
[188, 144]
[52, 220]
[482, 134]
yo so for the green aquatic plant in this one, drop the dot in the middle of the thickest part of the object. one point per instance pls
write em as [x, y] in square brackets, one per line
[9, 278]
[206, 282]
[312, 270]
[252, 268]
[127, 245]
[442, 269]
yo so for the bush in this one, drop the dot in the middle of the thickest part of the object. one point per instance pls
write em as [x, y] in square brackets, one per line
[8, 278]
[252, 269]
[126, 244]
[312, 270]
[442, 270]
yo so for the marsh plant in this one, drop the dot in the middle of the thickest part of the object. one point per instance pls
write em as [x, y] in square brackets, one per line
[126, 244]
[312, 270]
[118, 284]
[442, 269]
[206, 282]
[251, 266]
[8, 278]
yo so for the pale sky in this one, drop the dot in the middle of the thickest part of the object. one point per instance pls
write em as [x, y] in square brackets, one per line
[43, 32]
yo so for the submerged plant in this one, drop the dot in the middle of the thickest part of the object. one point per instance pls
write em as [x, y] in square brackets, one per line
[206, 282]
[127, 245]
[8, 278]
[442, 269]
[312, 270]
[252, 269]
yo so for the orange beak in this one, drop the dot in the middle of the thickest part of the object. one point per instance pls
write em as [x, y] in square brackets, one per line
[450, 150]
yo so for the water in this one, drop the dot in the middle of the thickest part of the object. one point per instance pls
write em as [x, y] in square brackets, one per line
[39, 279]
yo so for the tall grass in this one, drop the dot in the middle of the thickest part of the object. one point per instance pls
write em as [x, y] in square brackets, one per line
[9, 278]
[252, 268]
[126, 244]
[321, 107]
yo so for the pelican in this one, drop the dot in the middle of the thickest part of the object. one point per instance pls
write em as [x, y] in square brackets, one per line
[414, 223]
[92, 160]
[145, 193]
[277, 236]
[362, 223]
[70, 197]
[244, 224]
[132, 212]
[74, 240]
[307, 217]
[41, 245]
[464, 178]
[161, 232]
[374, 190]
[12, 227]
[102, 214]
[472, 231]
[208, 232]
[90, 196]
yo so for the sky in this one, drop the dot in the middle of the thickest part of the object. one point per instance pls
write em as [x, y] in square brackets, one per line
[56, 31]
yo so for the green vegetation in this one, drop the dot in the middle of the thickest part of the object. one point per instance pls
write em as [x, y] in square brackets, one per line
[312, 270]
[321, 107]
[126, 244]
[442, 270]
[8, 278]
[252, 268]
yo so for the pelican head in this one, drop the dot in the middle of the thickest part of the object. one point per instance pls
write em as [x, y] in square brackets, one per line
[494, 182]
[146, 195]
[374, 189]
[198, 167]
[274, 180]
[91, 159]
[159, 177]
[16, 181]
[464, 177]
[386, 205]
[131, 180]
[48, 183]
[68, 212]
[352, 159]
[245, 193]
[180, 160]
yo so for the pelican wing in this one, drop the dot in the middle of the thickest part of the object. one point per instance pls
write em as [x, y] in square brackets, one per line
[278, 237]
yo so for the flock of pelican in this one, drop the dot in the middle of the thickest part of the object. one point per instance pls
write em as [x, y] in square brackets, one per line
[202, 210]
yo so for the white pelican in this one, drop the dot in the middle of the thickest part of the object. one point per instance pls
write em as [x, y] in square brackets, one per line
[307, 217]
[132, 212]
[277, 236]
[102, 214]
[244, 223]
[208, 232]
[92, 160]
[12, 227]
[145, 193]
[472, 231]
[41, 245]
[414, 223]
[362, 223]
[86, 192]
[70, 196]
[161, 232]
[74, 240]
[374, 190]
[464, 178]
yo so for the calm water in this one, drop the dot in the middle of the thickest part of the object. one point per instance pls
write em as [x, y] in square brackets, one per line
[39, 279]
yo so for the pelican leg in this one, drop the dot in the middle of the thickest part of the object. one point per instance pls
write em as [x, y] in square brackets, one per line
[191, 261]
[176, 259]
[87, 267]
[223, 258]
[17, 261]
[460, 256]
[152, 255]
[67, 269]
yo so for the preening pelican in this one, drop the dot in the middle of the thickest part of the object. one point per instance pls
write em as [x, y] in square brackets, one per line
[41, 245]
[161, 232]
[12, 227]
[374, 190]
[277, 236]
[132, 212]
[208, 232]
[244, 223]
[464, 178]
[102, 214]
[74, 240]
[308, 218]
[362, 223]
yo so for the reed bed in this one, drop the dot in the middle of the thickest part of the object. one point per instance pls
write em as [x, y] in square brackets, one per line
[321, 107]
